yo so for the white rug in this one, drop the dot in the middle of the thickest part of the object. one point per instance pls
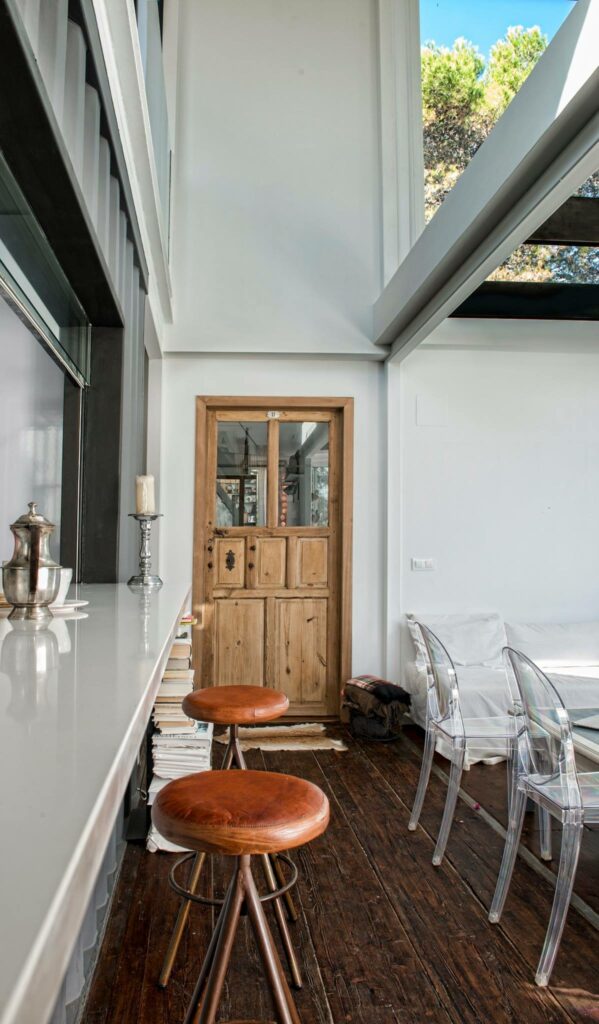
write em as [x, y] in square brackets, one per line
[311, 736]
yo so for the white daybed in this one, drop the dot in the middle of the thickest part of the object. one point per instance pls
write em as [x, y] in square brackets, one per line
[567, 652]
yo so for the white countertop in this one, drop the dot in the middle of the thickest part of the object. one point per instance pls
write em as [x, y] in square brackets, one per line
[74, 704]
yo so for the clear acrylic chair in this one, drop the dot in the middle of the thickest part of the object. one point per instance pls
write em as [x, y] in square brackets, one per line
[444, 719]
[546, 773]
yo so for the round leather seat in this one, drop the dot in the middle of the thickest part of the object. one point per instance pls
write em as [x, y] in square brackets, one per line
[235, 705]
[237, 813]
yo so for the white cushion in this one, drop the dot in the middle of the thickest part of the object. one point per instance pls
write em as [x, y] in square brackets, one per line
[474, 639]
[556, 644]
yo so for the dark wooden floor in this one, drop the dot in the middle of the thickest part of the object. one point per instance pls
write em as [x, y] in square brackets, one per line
[383, 936]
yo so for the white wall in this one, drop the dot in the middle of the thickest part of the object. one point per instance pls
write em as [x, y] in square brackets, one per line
[184, 378]
[31, 414]
[276, 192]
[499, 483]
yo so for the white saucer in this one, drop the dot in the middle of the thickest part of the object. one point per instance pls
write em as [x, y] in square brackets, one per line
[68, 606]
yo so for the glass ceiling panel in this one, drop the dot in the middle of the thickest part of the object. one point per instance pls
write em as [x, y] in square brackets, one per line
[475, 58]
[551, 264]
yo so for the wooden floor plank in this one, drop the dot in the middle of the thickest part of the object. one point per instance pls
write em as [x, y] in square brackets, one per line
[383, 937]
[476, 966]
[368, 964]
[475, 851]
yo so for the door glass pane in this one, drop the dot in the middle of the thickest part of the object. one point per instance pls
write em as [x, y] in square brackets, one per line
[304, 474]
[242, 456]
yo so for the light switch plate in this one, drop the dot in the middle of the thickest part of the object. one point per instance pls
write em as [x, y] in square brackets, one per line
[423, 565]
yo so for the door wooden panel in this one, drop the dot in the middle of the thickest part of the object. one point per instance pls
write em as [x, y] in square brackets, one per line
[272, 549]
[301, 650]
[230, 562]
[312, 558]
[271, 555]
[238, 642]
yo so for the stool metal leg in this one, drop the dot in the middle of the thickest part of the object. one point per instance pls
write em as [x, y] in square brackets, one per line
[213, 973]
[209, 957]
[292, 913]
[282, 998]
[205, 1000]
[181, 921]
[234, 754]
[281, 921]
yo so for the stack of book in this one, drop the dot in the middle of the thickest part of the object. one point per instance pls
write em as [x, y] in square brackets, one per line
[180, 745]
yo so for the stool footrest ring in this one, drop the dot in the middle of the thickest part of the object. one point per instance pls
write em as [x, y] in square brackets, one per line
[207, 901]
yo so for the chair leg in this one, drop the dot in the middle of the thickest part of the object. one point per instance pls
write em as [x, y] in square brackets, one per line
[217, 969]
[177, 933]
[282, 998]
[453, 787]
[544, 819]
[510, 852]
[425, 771]
[512, 773]
[282, 922]
[571, 840]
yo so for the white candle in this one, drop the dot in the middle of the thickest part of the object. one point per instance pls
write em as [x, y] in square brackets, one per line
[145, 502]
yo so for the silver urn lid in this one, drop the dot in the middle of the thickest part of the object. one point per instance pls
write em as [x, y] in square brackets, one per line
[32, 536]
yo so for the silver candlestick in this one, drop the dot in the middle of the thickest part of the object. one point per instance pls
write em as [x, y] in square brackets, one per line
[145, 579]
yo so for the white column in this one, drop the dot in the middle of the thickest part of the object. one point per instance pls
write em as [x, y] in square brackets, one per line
[91, 151]
[52, 53]
[114, 251]
[30, 12]
[402, 159]
[122, 276]
[103, 205]
[73, 125]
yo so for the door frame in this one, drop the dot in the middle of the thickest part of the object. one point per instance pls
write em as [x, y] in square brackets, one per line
[223, 403]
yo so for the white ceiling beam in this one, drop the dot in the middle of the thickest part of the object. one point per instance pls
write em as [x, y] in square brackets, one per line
[545, 145]
[402, 160]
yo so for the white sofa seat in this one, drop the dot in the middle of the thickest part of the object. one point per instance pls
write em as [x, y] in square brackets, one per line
[567, 653]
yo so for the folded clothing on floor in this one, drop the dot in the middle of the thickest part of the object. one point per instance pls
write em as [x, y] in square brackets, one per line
[376, 706]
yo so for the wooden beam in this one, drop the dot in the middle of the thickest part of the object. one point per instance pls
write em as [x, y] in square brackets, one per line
[540, 151]
[575, 223]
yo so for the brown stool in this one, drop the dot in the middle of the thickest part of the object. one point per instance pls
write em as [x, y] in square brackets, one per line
[234, 706]
[240, 815]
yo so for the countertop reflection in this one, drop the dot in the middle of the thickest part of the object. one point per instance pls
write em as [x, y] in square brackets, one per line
[75, 699]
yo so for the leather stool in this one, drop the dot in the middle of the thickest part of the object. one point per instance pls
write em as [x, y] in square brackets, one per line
[234, 706]
[239, 815]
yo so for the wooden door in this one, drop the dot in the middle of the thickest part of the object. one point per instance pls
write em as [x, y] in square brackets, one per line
[272, 554]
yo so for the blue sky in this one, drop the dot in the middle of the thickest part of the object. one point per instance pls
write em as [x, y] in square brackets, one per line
[485, 21]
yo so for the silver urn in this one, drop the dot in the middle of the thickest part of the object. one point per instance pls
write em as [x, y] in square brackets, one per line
[31, 579]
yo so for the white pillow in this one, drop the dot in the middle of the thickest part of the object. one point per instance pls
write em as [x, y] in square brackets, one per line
[556, 644]
[470, 639]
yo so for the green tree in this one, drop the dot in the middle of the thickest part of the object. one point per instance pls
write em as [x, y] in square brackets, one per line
[463, 97]
[456, 119]
[452, 84]
[510, 62]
